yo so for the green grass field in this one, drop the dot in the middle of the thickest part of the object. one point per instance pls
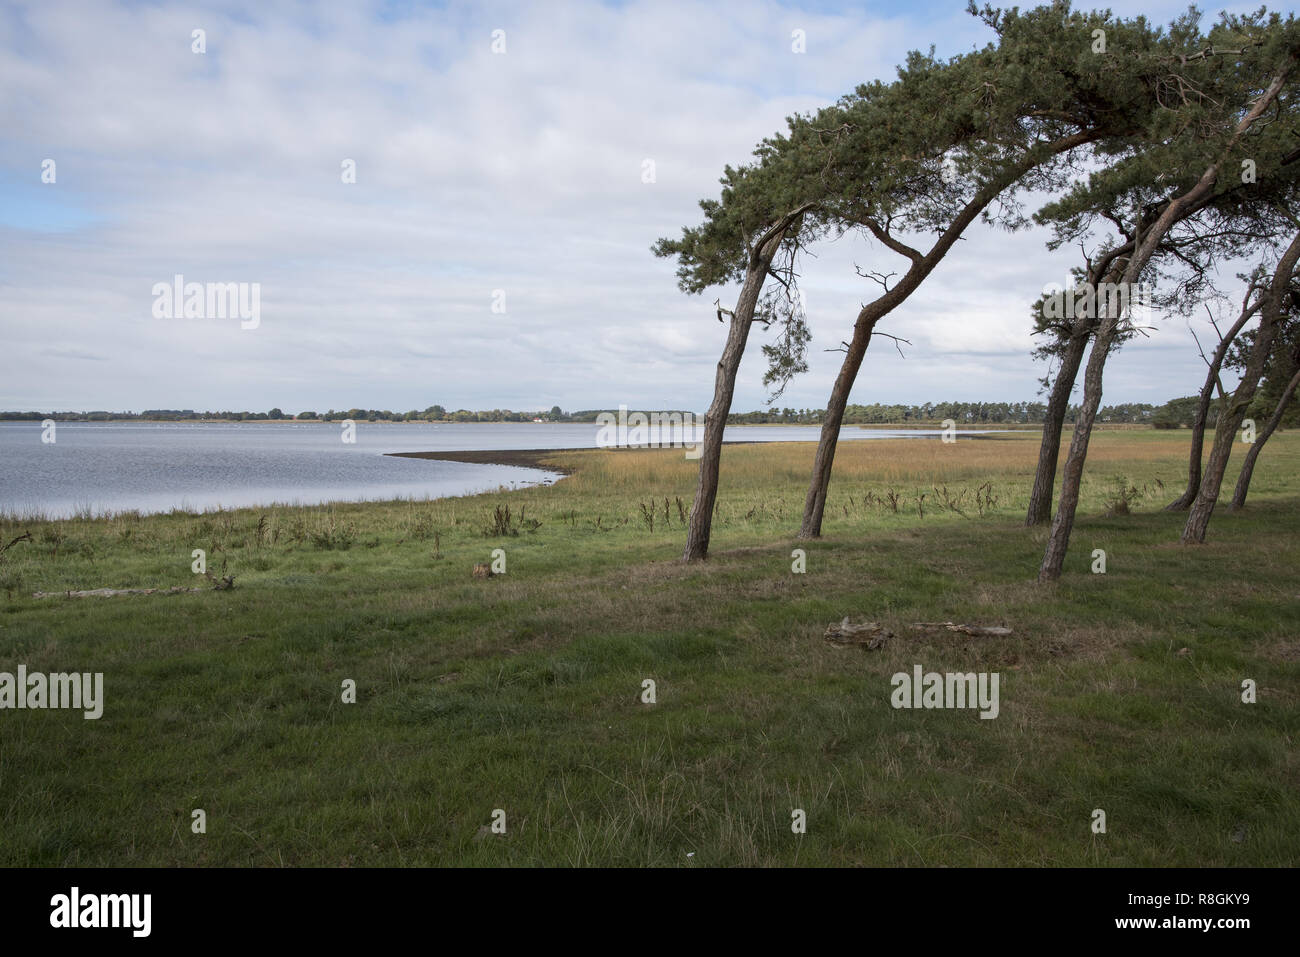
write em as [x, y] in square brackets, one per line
[522, 692]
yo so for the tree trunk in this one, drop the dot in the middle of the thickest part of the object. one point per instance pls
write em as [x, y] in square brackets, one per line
[921, 267]
[1058, 541]
[1058, 404]
[1111, 266]
[1185, 500]
[1225, 432]
[1248, 466]
[815, 503]
[1189, 202]
[715, 420]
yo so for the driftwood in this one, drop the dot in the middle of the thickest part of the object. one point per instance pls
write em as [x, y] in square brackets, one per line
[873, 635]
[868, 634]
[975, 631]
[24, 537]
[111, 592]
[225, 583]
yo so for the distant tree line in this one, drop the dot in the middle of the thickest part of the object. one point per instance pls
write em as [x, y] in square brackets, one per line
[933, 413]
[434, 413]
[1176, 413]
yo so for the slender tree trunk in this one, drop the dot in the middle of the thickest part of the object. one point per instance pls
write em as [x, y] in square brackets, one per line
[1058, 404]
[1184, 501]
[921, 267]
[1059, 539]
[1225, 432]
[815, 503]
[1248, 466]
[1112, 268]
[715, 420]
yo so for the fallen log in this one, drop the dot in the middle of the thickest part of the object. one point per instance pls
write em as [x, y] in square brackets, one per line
[24, 537]
[111, 592]
[868, 634]
[225, 583]
[975, 631]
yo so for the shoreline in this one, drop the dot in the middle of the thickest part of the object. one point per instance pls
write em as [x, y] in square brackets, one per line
[521, 458]
[884, 426]
[532, 458]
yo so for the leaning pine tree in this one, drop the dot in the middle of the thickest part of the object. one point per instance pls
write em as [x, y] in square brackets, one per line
[1277, 389]
[985, 127]
[1067, 344]
[1276, 301]
[752, 234]
[1224, 89]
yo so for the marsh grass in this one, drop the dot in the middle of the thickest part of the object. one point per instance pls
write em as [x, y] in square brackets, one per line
[521, 692]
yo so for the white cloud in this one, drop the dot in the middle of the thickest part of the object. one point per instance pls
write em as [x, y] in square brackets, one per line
[475, 172]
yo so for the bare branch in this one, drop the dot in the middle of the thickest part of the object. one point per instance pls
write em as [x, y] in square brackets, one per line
[881, 278]
[896, 339]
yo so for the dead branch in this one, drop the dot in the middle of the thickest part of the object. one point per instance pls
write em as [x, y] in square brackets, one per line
[881, 278]
[896, 339]
[869, 634]
[112, 592]
[975, 631]
[24, 537]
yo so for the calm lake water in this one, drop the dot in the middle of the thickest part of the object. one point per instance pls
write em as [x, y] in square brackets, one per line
[108, 467]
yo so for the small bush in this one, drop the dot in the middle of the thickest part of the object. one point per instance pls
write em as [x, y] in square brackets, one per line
[1122, 496]
[331, 534]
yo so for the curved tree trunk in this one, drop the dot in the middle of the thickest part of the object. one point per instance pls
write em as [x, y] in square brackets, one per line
[715, 420]
[1248, 466]
[815, 503]
[921, 267]
[1185, 500]
[1058, 541]
[1177, 209]
[1225, 432]
[1108, 327]
[1111, 266]
[1058, 404]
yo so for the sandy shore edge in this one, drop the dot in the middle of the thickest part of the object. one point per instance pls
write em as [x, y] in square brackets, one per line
[523, 458]
[534, 458]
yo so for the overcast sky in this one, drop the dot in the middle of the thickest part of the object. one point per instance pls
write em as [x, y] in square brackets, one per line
[476, 171]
